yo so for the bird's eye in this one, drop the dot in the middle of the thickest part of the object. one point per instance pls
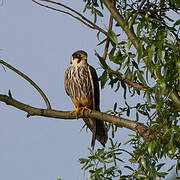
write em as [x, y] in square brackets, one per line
[78, 61]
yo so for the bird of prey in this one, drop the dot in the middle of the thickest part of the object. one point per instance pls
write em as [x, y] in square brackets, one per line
[81, 84]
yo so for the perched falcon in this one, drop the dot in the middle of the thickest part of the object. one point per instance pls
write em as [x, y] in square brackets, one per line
[81, 84]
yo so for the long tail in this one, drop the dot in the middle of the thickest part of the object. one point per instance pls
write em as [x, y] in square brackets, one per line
[98, 129]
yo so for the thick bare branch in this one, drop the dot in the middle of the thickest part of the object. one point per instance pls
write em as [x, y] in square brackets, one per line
[30, 81]
[147, 133]
[80, 17]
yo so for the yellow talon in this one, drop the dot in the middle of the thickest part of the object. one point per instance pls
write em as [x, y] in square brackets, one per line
[85, 108]
[76, 111]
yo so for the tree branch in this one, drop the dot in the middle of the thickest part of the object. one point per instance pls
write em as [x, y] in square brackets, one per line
[129, 31]
[81, 18]
[30, 81]
[127, 81]
[108, 39]
[133, 38]
[147, 133]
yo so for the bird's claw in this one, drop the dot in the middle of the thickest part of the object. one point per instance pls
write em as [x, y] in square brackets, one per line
[85, 108]
[76, 111]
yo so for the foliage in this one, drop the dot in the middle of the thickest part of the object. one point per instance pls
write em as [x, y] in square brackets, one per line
[155, 65]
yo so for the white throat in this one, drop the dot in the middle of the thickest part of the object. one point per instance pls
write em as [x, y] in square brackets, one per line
[76, 62]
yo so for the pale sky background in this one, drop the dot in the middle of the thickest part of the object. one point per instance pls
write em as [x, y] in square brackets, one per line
[39, 42]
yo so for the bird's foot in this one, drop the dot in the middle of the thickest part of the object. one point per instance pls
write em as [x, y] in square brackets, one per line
[76, 111]
[85, 108]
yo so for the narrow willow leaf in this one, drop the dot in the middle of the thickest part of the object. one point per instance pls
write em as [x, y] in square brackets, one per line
[143, 162]
[141, 78]
[151, 52]
[103, 78]
[115, 106]
[103, 62]
[135, 64]
[124, 87]
[83, 160]
[177, 23]
[98, 33]
[98, 12]
[140, 52]
[128, 167]
[113, 37]
[102, 42]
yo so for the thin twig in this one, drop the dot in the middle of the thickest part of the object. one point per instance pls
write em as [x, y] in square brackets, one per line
[108, 40]
[81, 18]
[30, 81]
[64, 13]
[127, 81]
[109, 29]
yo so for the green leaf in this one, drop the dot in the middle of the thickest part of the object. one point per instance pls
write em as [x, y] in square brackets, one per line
[102, 42]
[137, 116]
[124, 86]
[143, 162]
[151, 51]
[148, 97]
[103, 78]
[177, 23]
[118, 86]
[135, 64]
[116, 59]
[140, 52]
[103, 62]
[99, 170]
[98, 12]
[109, 170]
[115, 106]
[139, 29]
[83, 160]
[128, 112]
[128, 167]
[113, 37]
[159, 166]
[171, 168]
[141, 78]
[100, 159]
[95, 18]
[87, 167]
[128, 46]
[98, 33]
[86, 7]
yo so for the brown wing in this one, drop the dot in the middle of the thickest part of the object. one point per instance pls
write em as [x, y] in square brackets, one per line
[66, 81]
[96, 126]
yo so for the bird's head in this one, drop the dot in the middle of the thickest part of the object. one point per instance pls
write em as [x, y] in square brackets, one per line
[79, 58]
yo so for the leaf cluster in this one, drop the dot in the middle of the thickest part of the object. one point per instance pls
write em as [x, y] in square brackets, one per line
[150, 74]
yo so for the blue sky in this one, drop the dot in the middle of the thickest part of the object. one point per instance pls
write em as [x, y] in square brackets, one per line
[39, 42]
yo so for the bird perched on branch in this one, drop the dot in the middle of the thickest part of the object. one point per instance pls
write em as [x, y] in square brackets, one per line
[81, 84]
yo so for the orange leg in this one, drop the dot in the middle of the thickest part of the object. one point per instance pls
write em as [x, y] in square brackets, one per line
[76, 111]
[85, 108]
